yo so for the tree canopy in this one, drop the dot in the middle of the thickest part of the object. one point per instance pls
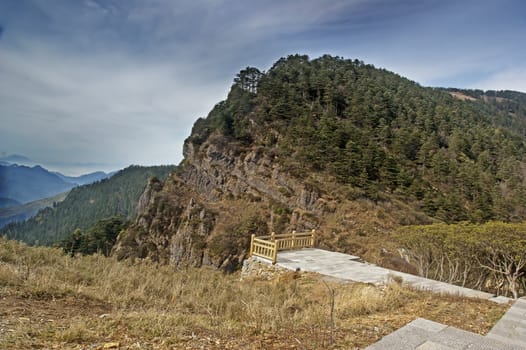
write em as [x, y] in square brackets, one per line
[97, 239]
[491, 256]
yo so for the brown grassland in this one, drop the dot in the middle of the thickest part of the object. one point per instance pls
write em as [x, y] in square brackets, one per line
[52, 301]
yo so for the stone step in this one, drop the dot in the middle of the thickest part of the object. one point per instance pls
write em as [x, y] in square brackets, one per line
[423, 334]
[511, 328]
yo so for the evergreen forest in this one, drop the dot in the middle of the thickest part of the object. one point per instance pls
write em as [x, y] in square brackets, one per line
[457, 155]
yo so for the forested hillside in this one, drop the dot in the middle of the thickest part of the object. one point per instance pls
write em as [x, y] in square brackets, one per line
[381, 135]
[86, 205]
[84, 179]
[22, 212]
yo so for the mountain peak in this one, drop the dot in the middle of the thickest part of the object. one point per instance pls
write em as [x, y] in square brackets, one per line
[17, 158]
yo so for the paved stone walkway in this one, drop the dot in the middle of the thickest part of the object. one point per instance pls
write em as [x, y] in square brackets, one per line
[512, 326]
[349, 267]
[422, 334]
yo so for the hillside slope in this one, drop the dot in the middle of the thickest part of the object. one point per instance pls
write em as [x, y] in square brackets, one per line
[84, 179]
[335, 145]
[22, 212]
[85, 205]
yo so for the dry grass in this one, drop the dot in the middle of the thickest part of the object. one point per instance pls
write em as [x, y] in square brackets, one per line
[49, 300]
[362, 227]
[461, 96]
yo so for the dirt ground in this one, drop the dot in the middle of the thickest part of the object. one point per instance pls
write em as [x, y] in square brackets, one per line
[29, 322]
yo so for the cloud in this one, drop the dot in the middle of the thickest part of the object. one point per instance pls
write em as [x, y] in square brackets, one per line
[455, 44]
[99, 80]
[509, 79]
[102, 107]
[122, 82]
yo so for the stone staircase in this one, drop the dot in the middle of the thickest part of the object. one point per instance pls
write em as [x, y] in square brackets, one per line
[508, 333]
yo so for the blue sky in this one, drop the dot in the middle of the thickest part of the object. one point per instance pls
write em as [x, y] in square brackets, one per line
[100, 84]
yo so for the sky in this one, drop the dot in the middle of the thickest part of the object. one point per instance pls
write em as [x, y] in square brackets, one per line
[91, 85]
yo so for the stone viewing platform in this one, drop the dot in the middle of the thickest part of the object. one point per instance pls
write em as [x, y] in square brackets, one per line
[512, 326]
[351, 268]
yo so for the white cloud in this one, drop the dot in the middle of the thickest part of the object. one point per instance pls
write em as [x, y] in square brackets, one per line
[122, 82]
[104, 107]
[508, 79]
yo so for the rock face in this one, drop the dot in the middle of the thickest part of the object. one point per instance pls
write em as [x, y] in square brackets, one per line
[205, 213]
[218, 169]
[254, 269]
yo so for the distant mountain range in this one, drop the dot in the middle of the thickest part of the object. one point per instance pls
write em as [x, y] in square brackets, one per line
[8, 202]
[85, 179]
[25, 184]
[26, 188]
[22, 212]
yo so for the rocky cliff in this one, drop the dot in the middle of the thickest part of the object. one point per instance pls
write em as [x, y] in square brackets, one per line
[223, 192]
[215, 202]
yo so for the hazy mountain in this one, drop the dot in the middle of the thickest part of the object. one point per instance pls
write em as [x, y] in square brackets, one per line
[25, 190]
[22, 212]
[8, 202]
[17, 159]
[84, 179]
[25, 184]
